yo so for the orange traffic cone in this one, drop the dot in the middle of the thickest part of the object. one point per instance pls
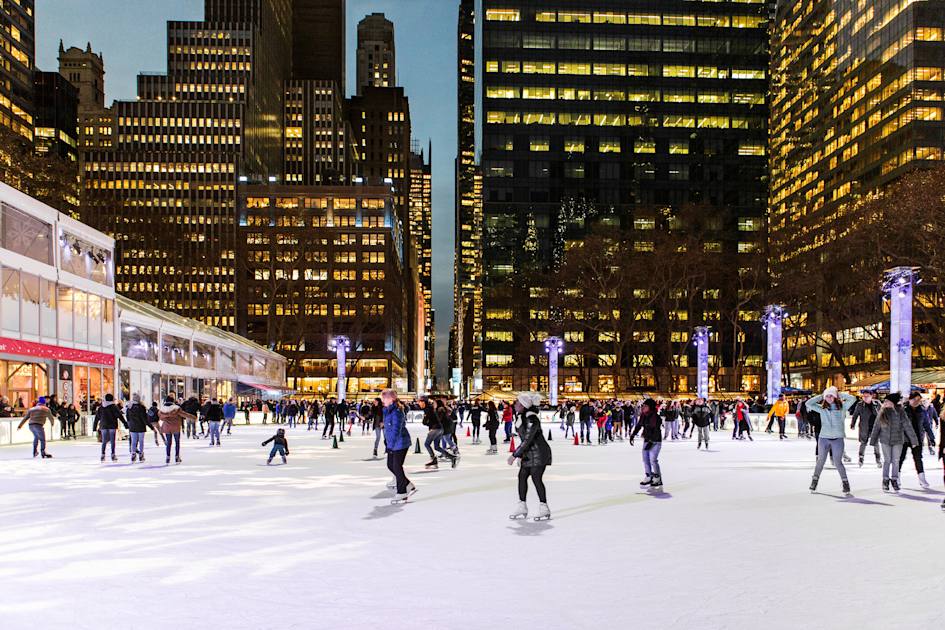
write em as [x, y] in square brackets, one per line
[576, 440]
[468, 434]
[512, 446]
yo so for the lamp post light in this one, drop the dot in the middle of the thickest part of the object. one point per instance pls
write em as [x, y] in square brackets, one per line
[773, 323]
[898, 287]
[340, 345]
[701, 340]
[553, 346]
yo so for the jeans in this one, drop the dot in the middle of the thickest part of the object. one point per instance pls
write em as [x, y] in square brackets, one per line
[651, 457]
[927, 425]
[291, 421]
[312, 423]
[875, 450]
[377, 437]
[214, 433]
[891, 454]
[277, 449]
[39, 437]
[108, 437]
[508, 431]
[175, 438]
[703, 435]
[782, 424]
[833, 447]
[492, 438]
[535, 473]
[395, 464]
[228, 424]
[137, 443]
[191, 428]
[568, 427]
[433, 438]
[586, 428]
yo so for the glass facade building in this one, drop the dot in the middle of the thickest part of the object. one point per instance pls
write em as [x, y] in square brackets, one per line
[622, 111]
[18, 56]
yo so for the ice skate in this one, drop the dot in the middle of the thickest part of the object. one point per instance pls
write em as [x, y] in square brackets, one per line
[846, 488]
[399, 499]
[47, 456]
[885, 485]
[167, 461]
[411, 489]
[269, 462]
[284, 459]
[544, 514]
[646, 482]
[177, 460]
[375, 452]
[861, 462]
[141, 458]
[521, 511]
[134, 457]
[432, 464]
[895, 484]
[392, 484]
[657, 483]
[923, 482]
[103, 458]
[813, 485]
[454, 460]
[114, 459]
[879, 462]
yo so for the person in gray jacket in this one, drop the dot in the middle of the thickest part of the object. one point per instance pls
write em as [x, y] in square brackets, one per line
[865, 412]
[889, 431]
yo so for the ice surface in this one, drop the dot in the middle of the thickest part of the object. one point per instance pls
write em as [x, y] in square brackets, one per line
[223, 541]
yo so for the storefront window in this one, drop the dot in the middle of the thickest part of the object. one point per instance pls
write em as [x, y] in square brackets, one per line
[175, 350]
[64, 307]
[80, 308]
[10, 306]
[139, 343]
[23, 383]
[95, 386]
[125, 384]
[81, 376]
[47, 318]
[108, 324]
[29, 304]
[25, 235]
[204, 356]
[95, 320]
[108, 381]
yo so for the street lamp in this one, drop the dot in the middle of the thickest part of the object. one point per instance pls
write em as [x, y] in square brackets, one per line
[701, 340]
[340, 345]
[553, 346]
[773, 323]
[898, 286]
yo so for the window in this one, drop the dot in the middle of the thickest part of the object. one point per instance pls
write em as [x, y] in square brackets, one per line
[498, 360]
[644, 146]
[542, 93]
[610, 120]
[610, 69]
[502, 92]
[679, 71]
[574, 68]
[679, 147]
[609, 145]
[540, 143]
[204, 356]
[609, 43]
[499, 335]
[750, 148]
[574, 145]
[25, 235]
[574, 42]
[503, 15]
[546, 16]
[175, 350]
[581, 17]
[538, 67]
[498, 313]
[538, 40]
[538, 118]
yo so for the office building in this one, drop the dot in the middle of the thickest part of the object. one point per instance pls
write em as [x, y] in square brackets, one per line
[85, 70]
[18, 55]
[620, 115]
[55, 115]
[318, 146]
[376, 56]
[318, 41]
[421, 226]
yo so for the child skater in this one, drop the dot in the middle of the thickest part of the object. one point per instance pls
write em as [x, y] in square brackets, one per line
[279, 445]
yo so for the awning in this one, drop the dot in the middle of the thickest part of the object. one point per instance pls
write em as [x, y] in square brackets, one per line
[920, 376]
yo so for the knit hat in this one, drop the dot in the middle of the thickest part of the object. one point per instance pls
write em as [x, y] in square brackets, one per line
[649, 402]
[895, 398]
[109, 398]
[831, 391]
[529, 399]
[135, 398]
[42, 400]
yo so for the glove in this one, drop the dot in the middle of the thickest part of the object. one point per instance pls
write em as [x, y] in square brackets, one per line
[631, 441]
[511, 459]
[852, 426]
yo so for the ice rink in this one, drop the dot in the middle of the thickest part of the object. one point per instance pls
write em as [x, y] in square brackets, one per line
[223, 541]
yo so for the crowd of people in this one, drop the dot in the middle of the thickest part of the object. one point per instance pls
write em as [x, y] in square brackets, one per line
[895, 428]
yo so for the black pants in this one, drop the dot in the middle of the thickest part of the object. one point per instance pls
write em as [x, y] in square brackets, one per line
[781, 426]
[916, 457]
[536, 473]
[395, 464]
[329, 427]
[492, 433]
[817, 424]
[475, 431]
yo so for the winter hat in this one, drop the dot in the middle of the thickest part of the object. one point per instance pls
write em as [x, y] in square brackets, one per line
[109, 398]
[649, 402]
[529, 399]
[831, 391]
[895, 398]
[42, 400]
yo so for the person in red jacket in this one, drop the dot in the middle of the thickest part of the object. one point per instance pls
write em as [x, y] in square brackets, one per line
[742, 420]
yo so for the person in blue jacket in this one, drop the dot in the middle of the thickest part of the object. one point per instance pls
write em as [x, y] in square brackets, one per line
[229, 414]
[397, 442]
[832, 407]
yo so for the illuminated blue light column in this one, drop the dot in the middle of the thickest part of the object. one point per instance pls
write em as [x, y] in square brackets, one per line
[553, 346]
[773, 323]
[898, 288]
[701, 339]
[340, 345]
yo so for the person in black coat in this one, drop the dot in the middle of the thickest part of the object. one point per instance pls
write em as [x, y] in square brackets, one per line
[280, 445]
[533, 454]
[138, 424]
[106, 422]
[650, 424]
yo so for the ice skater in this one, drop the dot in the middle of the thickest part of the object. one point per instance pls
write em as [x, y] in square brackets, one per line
[915, 414]
[533, 455]
[106, 423]
[865, 412]
[889, 431]
[138, 425]
[832, 407]
[492, 427]
[779, 412]
[171, 417]
[280, 446]
[650, 424]
[701, 417]
[37, 416]
[397, 439]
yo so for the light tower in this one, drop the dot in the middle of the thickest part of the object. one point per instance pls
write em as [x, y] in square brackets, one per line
[898, 288]
[553, 346]
[341, 345]
[701, 340]
[773, 323]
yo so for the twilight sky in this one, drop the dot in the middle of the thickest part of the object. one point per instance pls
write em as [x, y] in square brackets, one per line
[131, 34]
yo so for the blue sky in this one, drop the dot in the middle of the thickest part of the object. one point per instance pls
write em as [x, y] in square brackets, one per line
[131, 34]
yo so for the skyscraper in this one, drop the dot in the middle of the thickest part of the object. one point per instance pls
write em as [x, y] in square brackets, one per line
[377, 59]
[466, 347]
[318, 40]
[856, 104]
[85, 70]
[622, 116]
[55, 116]
[318, 140]
[18, 55]
[421, 225]
[167, 187]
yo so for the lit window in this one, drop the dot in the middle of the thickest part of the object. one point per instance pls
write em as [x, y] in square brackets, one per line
[502, 15]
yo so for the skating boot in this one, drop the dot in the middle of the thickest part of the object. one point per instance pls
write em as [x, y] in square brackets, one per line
[399, 499]
[284, 460]
[268, 461]
[411, 489]
[103, 458]
[454, 460]
[544, 514]
[392, 484]
[47, 456]
[134, 457]
[657, 484]
[861, 461]
[177, 460]
[813, 484]
[846, 459]
[923, 482]
[885, 485]
[141, 458]
[895, 484]
[521, 511]
[167, 461]
[432, 464]
[114, 459]
[846, 487]
[375, 452]
[879, 462]
[35, 453]
[646, 482]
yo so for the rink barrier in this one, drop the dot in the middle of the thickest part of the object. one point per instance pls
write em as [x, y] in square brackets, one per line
[9, 435]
